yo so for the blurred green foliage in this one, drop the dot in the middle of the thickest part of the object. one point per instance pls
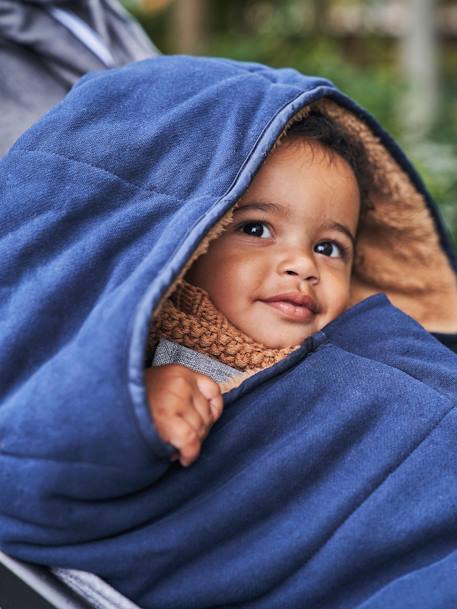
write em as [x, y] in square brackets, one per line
[366, 67]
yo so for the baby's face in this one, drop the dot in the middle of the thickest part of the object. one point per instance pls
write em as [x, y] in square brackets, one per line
[281, 271]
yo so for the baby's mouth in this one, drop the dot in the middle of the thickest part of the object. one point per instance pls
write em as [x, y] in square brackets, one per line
[294, 305]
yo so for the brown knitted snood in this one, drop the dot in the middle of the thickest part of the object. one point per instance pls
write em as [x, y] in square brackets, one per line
[189, 318]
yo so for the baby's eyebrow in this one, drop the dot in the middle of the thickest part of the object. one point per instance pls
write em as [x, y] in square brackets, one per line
[342, 228]
[262, 206]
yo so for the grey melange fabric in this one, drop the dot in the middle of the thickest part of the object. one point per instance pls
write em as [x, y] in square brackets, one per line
[41, 58]
[168, 352]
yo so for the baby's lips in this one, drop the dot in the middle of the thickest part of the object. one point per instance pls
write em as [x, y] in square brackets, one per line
[297, 299]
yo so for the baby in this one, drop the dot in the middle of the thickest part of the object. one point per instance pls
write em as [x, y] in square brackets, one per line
[278, 273]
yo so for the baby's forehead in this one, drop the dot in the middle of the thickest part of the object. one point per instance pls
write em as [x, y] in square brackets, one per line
[278, 209]
[297, 190]
[306, 149]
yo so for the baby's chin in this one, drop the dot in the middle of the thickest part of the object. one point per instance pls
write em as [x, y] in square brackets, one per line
[277, 339]
[281, 343]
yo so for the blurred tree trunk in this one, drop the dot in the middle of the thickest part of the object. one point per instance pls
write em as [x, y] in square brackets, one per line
[187, 28]
[420, 62]
[319, 12]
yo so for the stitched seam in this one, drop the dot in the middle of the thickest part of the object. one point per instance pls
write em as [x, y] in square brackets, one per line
[114, 175]
[19, 457]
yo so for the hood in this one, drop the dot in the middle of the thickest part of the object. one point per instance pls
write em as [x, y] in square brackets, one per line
[108, 199]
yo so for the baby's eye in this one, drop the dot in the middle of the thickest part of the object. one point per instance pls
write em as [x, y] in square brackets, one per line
[329, 248]
[256, 229]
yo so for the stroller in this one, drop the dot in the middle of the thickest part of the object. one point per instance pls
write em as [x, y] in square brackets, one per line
[27, 586]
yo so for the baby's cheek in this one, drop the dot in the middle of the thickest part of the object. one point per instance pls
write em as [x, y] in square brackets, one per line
[338, 306]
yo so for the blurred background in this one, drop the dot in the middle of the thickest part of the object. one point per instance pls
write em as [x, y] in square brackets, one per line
[397, 58]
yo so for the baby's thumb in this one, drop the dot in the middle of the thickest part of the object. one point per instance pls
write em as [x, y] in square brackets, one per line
[212, 392]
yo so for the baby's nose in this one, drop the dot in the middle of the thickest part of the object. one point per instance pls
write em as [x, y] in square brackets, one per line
[299, 264]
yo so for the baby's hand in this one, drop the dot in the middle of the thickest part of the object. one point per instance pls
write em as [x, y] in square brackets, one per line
[184, 405]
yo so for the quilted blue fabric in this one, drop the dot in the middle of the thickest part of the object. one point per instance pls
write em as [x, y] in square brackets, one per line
[330, 480]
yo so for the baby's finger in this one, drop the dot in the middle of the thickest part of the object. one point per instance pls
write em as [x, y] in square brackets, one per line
[185, 439]
[193, 417]
[202, 406]
[212, 392]
[174, 407]
[208, 387]
[217, 406]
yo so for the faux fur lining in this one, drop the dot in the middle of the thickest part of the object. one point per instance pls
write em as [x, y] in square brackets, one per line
[398, 249]
[236, 381]
[213, 233]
